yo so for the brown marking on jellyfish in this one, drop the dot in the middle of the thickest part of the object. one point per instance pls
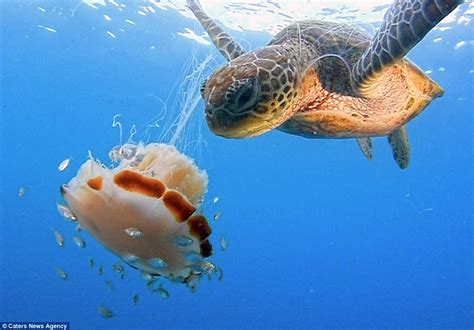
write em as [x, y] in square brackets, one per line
[178, 205]
[95, 183]
[138, 183]
[198, 227]
[206, 248]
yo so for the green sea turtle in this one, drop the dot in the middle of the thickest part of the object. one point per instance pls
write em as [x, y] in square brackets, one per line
[319, 79]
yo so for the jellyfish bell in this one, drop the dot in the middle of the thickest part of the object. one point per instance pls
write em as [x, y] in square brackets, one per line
[145, 210]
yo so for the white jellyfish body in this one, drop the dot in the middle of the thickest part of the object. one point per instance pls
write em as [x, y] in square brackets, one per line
[145, 209]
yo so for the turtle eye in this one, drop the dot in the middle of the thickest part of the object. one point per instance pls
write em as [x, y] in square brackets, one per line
[247, 95]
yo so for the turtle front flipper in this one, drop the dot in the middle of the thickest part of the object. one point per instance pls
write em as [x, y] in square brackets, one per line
[400, 146]
[365, 145]
[223, 41]
[405, 23]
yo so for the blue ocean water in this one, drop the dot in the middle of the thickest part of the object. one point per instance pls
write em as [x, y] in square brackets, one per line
[318, 236]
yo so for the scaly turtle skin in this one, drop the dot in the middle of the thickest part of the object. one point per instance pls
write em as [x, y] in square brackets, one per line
[319, 79]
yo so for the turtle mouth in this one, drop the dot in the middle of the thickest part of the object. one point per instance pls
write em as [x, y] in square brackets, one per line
[233, 126]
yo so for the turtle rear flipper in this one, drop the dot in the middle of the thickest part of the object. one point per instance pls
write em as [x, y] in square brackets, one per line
[365, 145]
[400, 147]
[226, 45]
[404, 25]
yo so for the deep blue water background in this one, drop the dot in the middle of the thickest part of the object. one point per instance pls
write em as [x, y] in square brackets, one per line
[318, 236]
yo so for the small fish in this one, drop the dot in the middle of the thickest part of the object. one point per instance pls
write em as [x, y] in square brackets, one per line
[146, 276]
[192, 282]
[61, 273]
[100, 271]
[183, 240]
[105, 312]
[162, 292]
[220, 274]
[150, 284]
[133, 233]
[216, 216]
[59, 238]
[109, 285]
[136, 299]
[122, 276]
[223, 243]
[91, 262]
[78, 228]
[114, 154]
[130, 258]
[64, 164]
[157, 263]
[118, 268]
[215, 200]
[80, 243]
[192, 256]
[65, 212]
[21, 192]
[206, 268]
[128, 151]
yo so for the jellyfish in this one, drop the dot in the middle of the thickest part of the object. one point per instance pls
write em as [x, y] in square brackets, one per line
[146, 209]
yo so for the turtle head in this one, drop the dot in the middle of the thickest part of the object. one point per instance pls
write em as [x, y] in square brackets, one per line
[251, 95]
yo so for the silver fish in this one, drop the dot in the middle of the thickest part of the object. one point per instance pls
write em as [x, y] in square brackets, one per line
[205, 267]
[217, 216]
[64, 164]
[183, 240]
[128, 151]
[65, 212]
[59, 238]
[192, 282]
[130, 258]
[223, 243]
[162, 292]
[215, 200]
[80, 243]
[61, 273]
[91, 262]
[157, 263]
[146, 276]
[136, 299]
[109, 285]
[105, 312]
[133, 233]
[220, 274]
[21, 192]
[192, 256]
[100, 271]
[118, 268]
